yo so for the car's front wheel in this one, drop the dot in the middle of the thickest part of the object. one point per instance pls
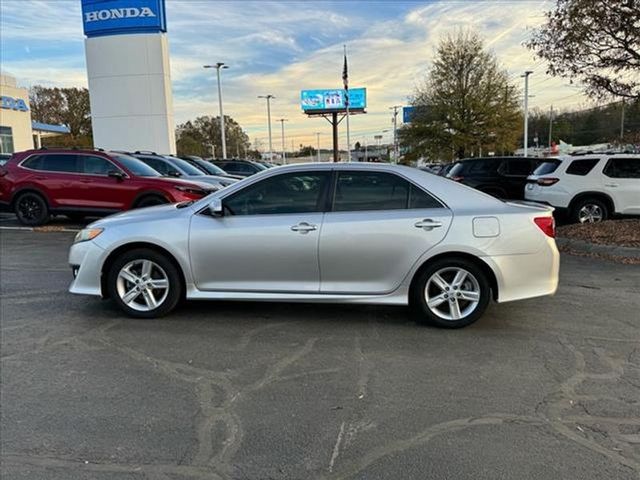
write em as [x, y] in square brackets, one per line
[144, 283]
[451, 293]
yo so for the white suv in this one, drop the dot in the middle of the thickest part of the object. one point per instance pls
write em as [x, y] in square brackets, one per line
[589, 188]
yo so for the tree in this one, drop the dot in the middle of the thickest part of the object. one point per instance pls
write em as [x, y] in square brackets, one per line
[465, 104]
[63, 106]
[596, 42]
[197, 137]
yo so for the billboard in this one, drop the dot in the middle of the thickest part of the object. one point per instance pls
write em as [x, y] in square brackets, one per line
[408, 114]
[119, 17]
[332, 100]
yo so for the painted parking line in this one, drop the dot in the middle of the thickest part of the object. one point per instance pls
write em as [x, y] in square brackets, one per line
[42, 229]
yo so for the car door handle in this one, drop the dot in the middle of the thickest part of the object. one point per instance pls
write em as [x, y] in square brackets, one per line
[428, 224]
[610, 184]
[304, 227]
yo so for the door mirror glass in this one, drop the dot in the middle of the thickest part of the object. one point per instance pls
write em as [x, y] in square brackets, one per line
[174, 173]
[215, 207]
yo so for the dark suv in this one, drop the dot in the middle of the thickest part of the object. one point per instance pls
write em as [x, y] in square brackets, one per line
[243, 168]
[502, 177]
[79, 183]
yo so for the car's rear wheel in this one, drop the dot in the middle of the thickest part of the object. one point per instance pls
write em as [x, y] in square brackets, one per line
[144, 283]
[150, 201]
[589, 210]
[451, 293]
[31, 209]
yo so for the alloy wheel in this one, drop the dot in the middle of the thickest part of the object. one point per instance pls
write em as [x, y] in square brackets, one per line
[452, 293]
[29, 208]
[142, 285]
[590, 213]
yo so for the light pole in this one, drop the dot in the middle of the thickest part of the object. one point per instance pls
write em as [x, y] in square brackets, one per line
[526, 110]
[218, 66]
[284, 158]
[268, 98]
[318, 149]
[395, 132]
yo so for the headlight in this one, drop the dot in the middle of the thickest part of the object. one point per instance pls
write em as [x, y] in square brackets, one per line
[87, 234]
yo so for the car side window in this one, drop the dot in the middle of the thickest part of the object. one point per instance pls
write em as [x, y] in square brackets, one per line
[623, 168]
[517, 167]
[482, 168]
[299, 192]
[92, 165]
[418, 198]
[582, 167]
[53, 163]
[357, 191]
[158, 165]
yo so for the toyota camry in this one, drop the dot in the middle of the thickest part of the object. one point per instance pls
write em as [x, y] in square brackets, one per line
[325, 232]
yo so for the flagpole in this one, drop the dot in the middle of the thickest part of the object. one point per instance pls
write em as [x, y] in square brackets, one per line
[346, 94]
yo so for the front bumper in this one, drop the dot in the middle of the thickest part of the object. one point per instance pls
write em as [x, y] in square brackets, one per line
[86, 260]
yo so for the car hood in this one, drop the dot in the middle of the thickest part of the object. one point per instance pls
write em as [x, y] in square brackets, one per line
[147, 214]
[190, 182]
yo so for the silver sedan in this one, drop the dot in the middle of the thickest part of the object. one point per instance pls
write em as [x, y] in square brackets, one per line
[342, 233]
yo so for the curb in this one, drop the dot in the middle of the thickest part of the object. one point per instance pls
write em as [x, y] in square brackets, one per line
[587, 247]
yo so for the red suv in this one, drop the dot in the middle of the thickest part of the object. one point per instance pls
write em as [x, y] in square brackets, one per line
[78, 183]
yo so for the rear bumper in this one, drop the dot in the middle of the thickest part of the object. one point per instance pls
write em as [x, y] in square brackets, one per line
[527, 276]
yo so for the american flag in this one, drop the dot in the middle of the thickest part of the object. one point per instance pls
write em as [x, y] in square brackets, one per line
[345, 77]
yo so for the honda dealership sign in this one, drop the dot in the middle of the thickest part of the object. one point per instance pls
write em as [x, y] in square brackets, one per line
[117, 17]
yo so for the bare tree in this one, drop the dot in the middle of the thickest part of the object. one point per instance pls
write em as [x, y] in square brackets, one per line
[596, 42]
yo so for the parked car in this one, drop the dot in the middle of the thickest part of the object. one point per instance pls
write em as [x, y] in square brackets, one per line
[382, 234]
[176, 167]
[78, 183]
[208, 167]
[502, 177]
[589, 188]
[243, 168]
[4, 157]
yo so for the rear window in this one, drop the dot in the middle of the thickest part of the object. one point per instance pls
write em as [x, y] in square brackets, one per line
[582, 167]
[547, 167]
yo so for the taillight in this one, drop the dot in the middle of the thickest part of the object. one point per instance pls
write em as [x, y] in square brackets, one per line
[547, 182]
[457, 178]
[547, 225]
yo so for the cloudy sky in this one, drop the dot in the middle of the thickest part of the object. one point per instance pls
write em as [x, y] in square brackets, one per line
[281, 47]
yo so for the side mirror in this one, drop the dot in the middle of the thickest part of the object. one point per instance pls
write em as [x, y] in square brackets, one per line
[174, 173]
[116, 174]
[215, 207]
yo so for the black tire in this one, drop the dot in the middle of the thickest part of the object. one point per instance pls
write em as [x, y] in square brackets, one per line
[150, 201]
[166, 305]
[424, 313]
[599, 211]
[31, 209]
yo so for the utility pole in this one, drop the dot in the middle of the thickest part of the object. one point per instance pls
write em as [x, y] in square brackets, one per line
[268, 98]
[396, 153]
[550, 126]
[526, 110]
[218, 66]
[318, 146]
[284, 158]
[622, 121]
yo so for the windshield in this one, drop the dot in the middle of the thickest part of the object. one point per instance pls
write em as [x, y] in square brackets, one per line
[186, 167]
[135, 166]
[549, 166]
[259, 165]
[210, 167]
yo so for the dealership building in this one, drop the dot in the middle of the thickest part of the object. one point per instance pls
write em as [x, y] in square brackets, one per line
[17, 131]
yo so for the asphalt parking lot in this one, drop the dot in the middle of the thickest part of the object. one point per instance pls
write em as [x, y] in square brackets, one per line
[542, 389]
